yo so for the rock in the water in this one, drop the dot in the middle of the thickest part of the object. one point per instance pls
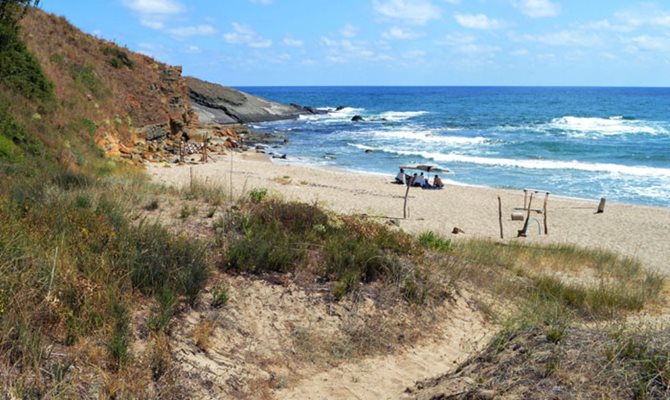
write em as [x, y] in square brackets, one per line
[340, 108]
[357, 118]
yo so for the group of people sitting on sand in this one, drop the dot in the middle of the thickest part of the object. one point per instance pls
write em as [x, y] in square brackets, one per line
[418, 180]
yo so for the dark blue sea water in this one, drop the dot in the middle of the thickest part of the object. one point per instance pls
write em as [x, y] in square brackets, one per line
[580, 142]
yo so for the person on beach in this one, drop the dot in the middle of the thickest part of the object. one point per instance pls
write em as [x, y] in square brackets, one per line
[418, 180]
[423, 181]
[437, 182]
[401, 178]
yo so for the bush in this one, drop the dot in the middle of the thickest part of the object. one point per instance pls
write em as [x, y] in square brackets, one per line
[263, 248]
[164, 310]
[120, 336]
[19, 69]
[258, 195]
[157, 260]
[119, 58]
[434, 241]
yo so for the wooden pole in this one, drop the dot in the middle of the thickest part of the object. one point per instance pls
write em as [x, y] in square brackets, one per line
[544, 213]
[500, 217]
[404, 207]
[231, 174]
[522, 232]
[601, 206]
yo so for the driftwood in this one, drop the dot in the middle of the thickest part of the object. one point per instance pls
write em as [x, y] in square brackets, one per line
[601, 206]
[457, 230]
[522, 232]
[500, 217]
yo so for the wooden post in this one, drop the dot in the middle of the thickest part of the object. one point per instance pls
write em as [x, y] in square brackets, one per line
[404, 207]
[525, 197]
[500, 217]
[191, 172]
[601, 206]
[204, 150]
[544, 213]
[231, 174]
[181, 151]
[522, 232]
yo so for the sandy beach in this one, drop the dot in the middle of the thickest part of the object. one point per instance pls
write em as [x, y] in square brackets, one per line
[631, 230]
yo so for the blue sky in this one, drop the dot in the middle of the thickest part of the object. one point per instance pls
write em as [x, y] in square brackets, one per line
[392, 42]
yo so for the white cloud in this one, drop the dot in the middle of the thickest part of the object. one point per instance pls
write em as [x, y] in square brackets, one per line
[410, 11]
[192, 49]
[349, 31]
[400, 34]
[198, 30]
[477, 21]
[152, 23]
[263, 2]
[291, 42]
[648, 43]
[245, 35]
[453, 2]
[345, 50]
[154, 7]
[519, 53]
[562, 38]
[456, 39]
[538, 8]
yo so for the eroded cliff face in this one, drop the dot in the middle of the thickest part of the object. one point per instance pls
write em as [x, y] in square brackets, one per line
[132, 105]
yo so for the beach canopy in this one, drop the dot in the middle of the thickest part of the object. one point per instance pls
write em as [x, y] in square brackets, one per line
[425, 167]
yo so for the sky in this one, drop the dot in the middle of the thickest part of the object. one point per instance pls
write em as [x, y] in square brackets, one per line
[392, 42]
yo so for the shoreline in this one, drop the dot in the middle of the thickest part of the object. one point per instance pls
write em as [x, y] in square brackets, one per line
[451, 182]
[638, 231]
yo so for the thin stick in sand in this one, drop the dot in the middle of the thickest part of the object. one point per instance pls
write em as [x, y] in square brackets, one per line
[500, 217]
[544, 214]
[404, 207]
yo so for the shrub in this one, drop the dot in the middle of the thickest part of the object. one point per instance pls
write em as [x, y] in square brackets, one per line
[157, 260]
[120, 336]
[263, 248]
[434, 241]
[258, 195]
[118, 57]
[164, 310]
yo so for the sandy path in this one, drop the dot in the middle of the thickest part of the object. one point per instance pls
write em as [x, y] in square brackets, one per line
[388, 376]
[632, 230]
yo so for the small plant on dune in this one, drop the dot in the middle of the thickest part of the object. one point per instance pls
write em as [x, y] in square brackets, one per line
[120, 336]
[434, 241]
[220, 296]
[166, 301]
[258, 195]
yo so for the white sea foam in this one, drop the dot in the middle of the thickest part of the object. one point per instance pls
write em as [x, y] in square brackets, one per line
[616, 125]
[425, 136]
[401, 115]
[540, 164]
[333, 115]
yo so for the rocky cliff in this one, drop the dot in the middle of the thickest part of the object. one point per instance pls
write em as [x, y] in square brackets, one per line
[224, 105]
[130, 99]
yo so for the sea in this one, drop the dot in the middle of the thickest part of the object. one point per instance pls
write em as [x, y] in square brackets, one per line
[571, 141]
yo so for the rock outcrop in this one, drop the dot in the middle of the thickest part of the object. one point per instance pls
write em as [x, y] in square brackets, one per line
[224, 105]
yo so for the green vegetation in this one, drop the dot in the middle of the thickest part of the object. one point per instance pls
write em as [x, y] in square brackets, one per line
[118, 58]
[220, 296]
[434, 241]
